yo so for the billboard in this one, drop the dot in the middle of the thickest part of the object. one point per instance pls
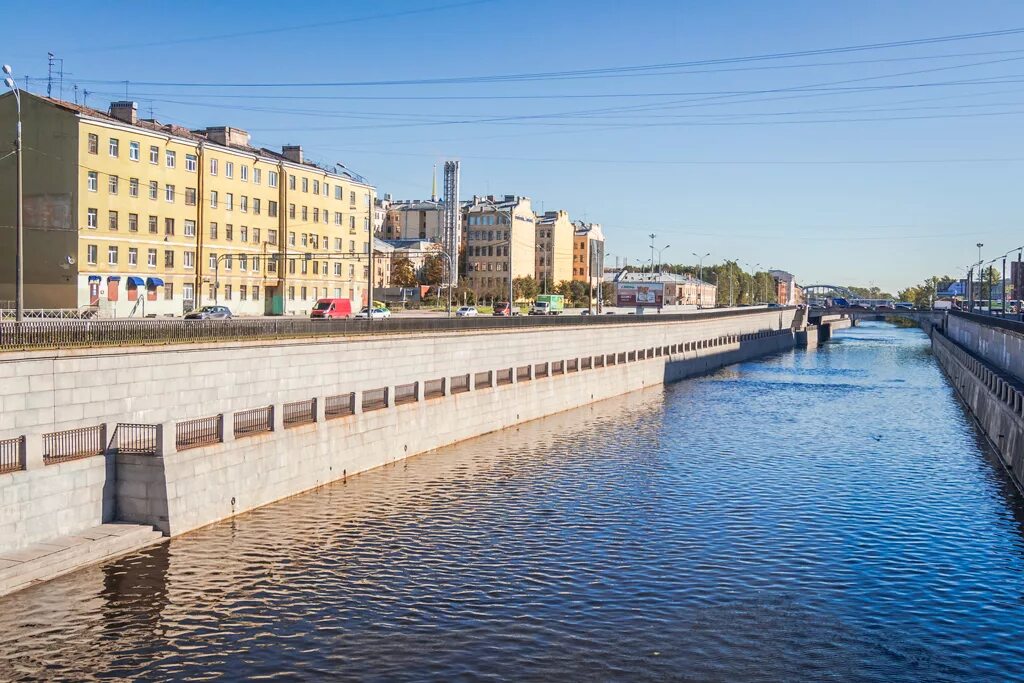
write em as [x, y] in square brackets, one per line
[639, 294]
[596, 258]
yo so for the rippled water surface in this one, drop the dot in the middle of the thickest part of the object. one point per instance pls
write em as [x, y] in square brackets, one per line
[813, 515]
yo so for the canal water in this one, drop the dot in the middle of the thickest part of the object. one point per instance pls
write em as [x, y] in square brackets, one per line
[829, 514]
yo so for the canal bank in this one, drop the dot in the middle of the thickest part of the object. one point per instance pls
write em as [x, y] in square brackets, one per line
[607, 542]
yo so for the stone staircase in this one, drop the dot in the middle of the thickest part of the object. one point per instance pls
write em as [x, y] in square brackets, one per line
[43, 561]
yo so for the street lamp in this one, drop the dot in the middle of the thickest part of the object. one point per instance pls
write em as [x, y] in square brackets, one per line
[652, 236]
[19, 240]
[979, 245]
[700, 276]
[659, 257]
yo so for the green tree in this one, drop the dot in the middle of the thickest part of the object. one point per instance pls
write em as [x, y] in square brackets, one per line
[578, 291]
[433, 270]
[402, 273]
[608, 293]
[564, 288]
[525, 288]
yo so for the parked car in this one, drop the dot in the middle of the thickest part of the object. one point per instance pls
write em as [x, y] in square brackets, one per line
[374, 314]
[467, 312]
[885, 307]
[324, 309]
[502, 308]
[905, 305]
[585, 311]
[209, 313]
[860, 304]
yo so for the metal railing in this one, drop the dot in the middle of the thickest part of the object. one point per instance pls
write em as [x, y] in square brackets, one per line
[136, 439]
[10, 454]
[483, 380]
[572, 365]
[73, 444]
[523, 373]
[200, 431]
[558, 367]
[460, 384]
[406, 393]
[433, 388]
[375, 399]
[586, 363]
[299, 412]
[253, 421]
[504, 376]
[54, 334]
[540, 370]
[340, 405]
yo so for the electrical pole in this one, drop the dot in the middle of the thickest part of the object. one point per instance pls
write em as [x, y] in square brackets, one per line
[19, 242]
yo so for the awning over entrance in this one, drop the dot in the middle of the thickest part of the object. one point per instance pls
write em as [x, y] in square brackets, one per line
[154, 282]
[135, 281]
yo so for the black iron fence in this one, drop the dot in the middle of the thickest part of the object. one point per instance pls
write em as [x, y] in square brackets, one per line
[375, 399]
[136, 439]
[504, 376]
[483, 380]
[433, 388]
[10, 454]
[197, 432]
[254, 421]
[72, 444]
[299, 412]
[523, 373]
[460, 384]
[406, 393]
[60, 334]
[340, 405]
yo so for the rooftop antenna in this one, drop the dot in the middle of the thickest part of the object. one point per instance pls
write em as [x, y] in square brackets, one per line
[75, 88]
[85, 98]
[51, 62]
[126, 90]
[433, 184]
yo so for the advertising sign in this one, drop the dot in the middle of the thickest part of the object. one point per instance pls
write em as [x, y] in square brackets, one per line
[639, 294]
[596, 258]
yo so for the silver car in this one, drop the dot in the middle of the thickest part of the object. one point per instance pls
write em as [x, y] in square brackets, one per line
[210, 313]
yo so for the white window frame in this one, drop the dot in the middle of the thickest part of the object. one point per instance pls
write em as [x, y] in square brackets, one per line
[134, 150]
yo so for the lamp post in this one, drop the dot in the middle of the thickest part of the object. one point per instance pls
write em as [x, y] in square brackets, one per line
[979, 245]
[700, 277]
[19, 240]
[659, 257]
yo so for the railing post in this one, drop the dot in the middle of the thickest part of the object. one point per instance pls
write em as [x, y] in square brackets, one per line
[32, 452]
[277, 417]
[420, 390]
[166, 439]
[389, 396]
[320, 408]
[227, 427]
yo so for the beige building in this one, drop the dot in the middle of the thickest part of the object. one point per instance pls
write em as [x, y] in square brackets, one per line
[554, 248]
[134, 217]
[413, 220]
[587, 238]
[499, 234]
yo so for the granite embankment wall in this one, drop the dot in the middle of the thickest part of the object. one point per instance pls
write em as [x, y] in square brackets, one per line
[492, 380]
[980, 360]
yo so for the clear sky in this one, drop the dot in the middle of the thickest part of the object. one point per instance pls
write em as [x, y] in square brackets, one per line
[880, 165]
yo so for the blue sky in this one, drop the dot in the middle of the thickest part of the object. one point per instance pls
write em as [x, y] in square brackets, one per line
[701, 155]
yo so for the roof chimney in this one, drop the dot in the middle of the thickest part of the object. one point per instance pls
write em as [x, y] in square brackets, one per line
[125, 111]
[292, 153]
[227, 136]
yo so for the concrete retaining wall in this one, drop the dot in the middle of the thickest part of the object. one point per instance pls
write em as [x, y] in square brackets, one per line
[50, 391]
[995, 399]
[1002, 347]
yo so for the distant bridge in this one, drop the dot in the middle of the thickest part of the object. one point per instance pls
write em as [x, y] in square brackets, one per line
[926, 319]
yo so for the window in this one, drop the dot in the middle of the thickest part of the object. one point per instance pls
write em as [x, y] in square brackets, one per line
[133, 222]
[94, 143]
[134, 150]
[327, 190]
[112, 184]
[291, 182]
[243, 203]
[212, 261]
[112, 220]
[168, 226]
[324, 214]
[169, 291]
[188, 291]
[304, 266]
[91, 218]
[305, 214]
[316, 187]
[213, 167]
[256, 205]
[154, 154]
[352, 245]
[337, 218]
[337, 269]
[133, 187]
[272, 178]
[303, 289]
[91, 254]
[316, 215]
[190, 196]
[256, 235]
[213, 199]
[227, 292]
[305, 239]
[271, 236]
[191, 162]
[169, 193]
[257, 176]
[168, 258]
[189, 259]
[291, 266]
[338, 244]
[229, 169]
[352, 198]
[152, 225]
[243, 262]
[153, 189]
[190, 228]
[171, 158]
[242, 293]
[305, 188]
[133, 256]
[339, 192]
[243, 234]
[272, 209]
[255, 265]
[243, 173]
[213, 291]
[112, 256]
[151, 258]
[255, 293]
[291, 211]
[213, 231]
[291, 239]
[114, 147]
[291, 293]
[229, 201]
[351, 223]
[229, 232]
[93, 181]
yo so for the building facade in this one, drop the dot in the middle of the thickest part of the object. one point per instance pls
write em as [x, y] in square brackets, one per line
[587, 239]
[133, 217]
[500, 242]
[555, 235]
[412, 220]
[675, 290]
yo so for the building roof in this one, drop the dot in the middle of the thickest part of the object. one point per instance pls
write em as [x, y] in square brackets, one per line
[666, 278]
[197, 136]
[415, 205]
[415, 244]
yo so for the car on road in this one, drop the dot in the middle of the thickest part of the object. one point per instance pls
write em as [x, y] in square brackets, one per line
[905, 305]
[860, 304]
[585, 311]
[210, 313]
[885, 307]
[374, 313]
[325, 309]
[501, 308]
[467, 312]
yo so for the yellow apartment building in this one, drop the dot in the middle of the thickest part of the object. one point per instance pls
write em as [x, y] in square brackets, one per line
[499, 234]
[554, 248]
[133, 217]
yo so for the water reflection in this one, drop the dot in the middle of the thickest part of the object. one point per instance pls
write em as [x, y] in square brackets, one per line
[812, 515]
